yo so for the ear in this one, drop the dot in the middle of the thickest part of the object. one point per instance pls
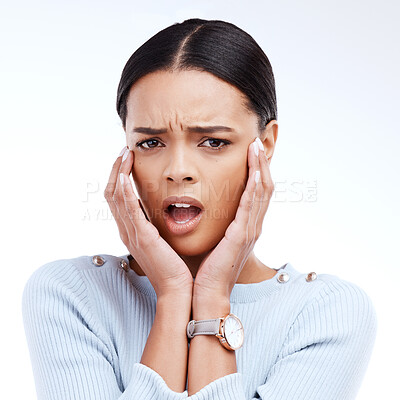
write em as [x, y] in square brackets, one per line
[269, 137]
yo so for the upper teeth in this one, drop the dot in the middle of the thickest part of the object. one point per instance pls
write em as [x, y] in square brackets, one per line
[180, 205]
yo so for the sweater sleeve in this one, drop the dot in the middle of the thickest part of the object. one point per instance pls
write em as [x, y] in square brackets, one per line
[70, 359]
[325, 354]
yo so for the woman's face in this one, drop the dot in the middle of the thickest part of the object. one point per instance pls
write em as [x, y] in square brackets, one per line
[208, 166]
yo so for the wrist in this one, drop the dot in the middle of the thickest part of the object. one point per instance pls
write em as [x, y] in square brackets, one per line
[210, 307]
[174, 308]
[181, 301]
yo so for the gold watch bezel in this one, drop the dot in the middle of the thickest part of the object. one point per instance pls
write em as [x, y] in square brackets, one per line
[221, 335]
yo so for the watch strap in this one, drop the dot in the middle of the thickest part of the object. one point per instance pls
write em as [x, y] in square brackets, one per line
[203, 327]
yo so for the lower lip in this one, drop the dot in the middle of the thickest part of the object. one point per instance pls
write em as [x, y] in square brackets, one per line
[181, 229]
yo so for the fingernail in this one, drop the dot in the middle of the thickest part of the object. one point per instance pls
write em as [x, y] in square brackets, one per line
[125, 154]
[260, 145]
[255, 147]
[122, 151]
[121, 178]
[257, 176]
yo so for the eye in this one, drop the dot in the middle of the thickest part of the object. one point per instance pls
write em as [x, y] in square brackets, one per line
[219, 141]
[149, 142]
[152, 144]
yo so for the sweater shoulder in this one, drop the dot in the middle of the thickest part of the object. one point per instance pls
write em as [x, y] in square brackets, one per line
[103, 262]
[333, 286]
[317, 286]
[68, 272]
[326, 293]
[337, 303]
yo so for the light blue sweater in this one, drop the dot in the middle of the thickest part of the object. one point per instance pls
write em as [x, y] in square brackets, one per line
[87, 326]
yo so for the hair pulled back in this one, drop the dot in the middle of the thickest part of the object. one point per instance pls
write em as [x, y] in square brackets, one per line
[218, 47]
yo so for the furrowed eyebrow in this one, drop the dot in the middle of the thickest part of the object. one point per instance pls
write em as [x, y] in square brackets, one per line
[149, 131]
[190, 129]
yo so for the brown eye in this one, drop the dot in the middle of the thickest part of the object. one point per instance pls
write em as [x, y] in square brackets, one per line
[151, 143]
[215, 143]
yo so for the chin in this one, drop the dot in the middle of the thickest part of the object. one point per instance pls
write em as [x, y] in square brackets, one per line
[192, 245]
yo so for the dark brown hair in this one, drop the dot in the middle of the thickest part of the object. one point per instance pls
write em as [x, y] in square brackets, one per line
[215, 46]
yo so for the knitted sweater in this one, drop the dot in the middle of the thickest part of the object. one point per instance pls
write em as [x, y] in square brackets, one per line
[87, 325]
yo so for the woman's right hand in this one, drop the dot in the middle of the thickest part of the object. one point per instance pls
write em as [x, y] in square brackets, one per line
[166, 271]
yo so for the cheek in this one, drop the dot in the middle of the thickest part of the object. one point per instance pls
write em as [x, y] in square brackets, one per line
[142, 171]
[147, 185]
[224, 181]
[225, 195]
[238, 181]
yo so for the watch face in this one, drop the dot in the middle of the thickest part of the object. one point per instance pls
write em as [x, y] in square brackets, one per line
[233, 330]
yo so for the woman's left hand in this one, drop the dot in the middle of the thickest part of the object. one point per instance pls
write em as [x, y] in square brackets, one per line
[220, 270]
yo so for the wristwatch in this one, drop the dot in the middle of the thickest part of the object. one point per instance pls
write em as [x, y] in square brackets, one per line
[228, 329]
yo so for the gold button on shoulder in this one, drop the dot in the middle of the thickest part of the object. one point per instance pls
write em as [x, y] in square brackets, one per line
[282, 278]
[98, 260]
[124, 265]
[312, 276]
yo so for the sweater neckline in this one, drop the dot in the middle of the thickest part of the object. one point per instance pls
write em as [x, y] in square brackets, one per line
[241, 292]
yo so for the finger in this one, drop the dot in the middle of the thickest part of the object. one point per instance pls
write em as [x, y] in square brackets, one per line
[240, 225]
[252, 207]
[248, 215]
[246, 203]
[112, 180]
[128, 210]
[124, 189]
[264, 195]
[125, 203]
[128, 205]
[255, 220]
[127, 167]
[109, 194]
[266, 178]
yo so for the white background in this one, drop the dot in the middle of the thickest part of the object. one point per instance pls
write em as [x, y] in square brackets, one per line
[336, 66]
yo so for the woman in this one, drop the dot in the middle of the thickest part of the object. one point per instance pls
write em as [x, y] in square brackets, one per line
[193, 312]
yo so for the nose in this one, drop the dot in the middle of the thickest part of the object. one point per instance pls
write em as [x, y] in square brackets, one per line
[181, 167]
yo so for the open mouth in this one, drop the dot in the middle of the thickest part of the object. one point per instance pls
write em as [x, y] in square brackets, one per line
[181, 215]
[182, 220]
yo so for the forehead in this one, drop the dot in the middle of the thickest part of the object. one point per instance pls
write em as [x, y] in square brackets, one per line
[185, 97]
